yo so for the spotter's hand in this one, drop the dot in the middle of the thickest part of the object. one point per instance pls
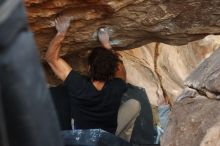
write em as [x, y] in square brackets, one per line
[62, 23]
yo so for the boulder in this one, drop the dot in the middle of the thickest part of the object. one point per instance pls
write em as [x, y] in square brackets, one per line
[131, 23]
[193, 122]
[162, 69]
[194, 119]
[204, 80]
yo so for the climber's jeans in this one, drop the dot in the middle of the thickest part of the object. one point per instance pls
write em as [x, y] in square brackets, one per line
[163, 112]
[127, 115]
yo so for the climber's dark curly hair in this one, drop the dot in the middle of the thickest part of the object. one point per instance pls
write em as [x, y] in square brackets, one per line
[103, 64]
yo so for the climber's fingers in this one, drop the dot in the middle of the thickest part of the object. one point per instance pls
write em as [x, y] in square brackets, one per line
[103, 37]
[103, 34]
[62, 23]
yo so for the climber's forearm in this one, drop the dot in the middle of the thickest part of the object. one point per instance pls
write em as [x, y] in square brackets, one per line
[103, 37]
[107, 46]
[59, 66]
[52, 53]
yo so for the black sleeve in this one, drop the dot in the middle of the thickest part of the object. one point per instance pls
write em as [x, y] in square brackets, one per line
[75, 83]
[120, 85]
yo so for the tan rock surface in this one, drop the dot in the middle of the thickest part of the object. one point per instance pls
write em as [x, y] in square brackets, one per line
[193, 122]
[131, 23]
[212, 137]
[161, 69]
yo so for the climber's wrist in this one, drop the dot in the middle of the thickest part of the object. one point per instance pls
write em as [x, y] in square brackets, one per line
[63, 33]
[108, 46]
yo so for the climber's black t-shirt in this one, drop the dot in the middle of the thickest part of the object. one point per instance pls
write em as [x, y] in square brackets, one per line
[91, 108]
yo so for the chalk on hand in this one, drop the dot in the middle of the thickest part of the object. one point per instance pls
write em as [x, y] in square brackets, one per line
[101, 29]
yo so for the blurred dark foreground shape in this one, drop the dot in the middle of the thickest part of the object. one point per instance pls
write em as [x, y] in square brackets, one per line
[27, 114]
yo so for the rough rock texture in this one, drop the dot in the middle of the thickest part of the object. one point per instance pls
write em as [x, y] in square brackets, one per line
[131, 23]
[193, 122]
[161, 69]
[212, 137]
[204, 80]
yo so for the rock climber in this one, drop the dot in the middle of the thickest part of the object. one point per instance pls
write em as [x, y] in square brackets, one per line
[94, 100]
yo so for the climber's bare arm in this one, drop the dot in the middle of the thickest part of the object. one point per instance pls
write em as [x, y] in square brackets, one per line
[60, 67]
[121, 72]
[103, 37]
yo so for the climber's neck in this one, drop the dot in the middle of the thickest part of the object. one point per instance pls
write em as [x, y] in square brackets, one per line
[98, 85]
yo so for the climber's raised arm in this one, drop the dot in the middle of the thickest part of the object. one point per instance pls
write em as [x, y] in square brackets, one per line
[120, 72]
[60, 67]
[103, 37]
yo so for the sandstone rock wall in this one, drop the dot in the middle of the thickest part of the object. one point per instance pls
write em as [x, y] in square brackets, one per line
[131, 23]
[161, 69]
[195, 117]
[193, 122]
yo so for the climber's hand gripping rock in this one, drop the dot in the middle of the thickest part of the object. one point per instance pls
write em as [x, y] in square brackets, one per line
[62, 23]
